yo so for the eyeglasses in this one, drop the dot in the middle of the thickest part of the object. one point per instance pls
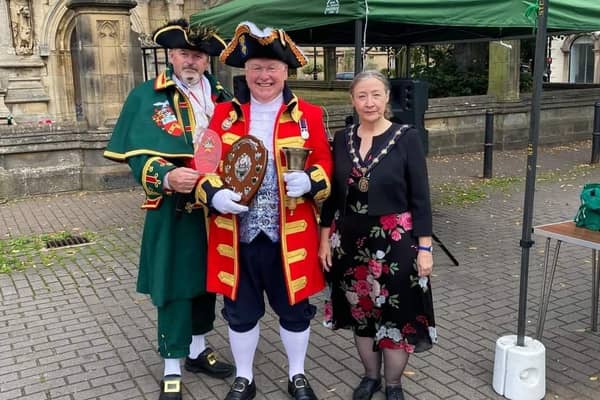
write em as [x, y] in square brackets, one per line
[270, 69]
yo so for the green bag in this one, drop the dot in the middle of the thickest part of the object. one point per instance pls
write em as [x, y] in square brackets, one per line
[588, 215]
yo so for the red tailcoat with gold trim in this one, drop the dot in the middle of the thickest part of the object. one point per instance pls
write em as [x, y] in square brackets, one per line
[299, 230]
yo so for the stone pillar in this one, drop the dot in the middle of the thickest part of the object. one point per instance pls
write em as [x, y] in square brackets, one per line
[4, 112]
[401, 62]
[6, 48]
[330, 64]
[21, 87]
[26, 95]
[106, 57]
[504, 70]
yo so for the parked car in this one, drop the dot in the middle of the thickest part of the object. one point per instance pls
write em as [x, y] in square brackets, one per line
[344, 76]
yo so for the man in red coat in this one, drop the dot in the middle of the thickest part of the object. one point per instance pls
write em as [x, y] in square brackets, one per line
[265, 246]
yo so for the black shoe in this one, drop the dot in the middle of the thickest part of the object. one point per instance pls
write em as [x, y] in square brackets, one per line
[208, 364]
[299, 388]
[366, 388]
[394, 393]
[170, 388]
[241, 389]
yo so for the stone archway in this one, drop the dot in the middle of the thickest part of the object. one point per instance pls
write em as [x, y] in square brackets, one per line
[55, 44]
[59, 45]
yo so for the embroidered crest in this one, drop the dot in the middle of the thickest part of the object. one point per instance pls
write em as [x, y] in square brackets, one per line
[165, 118]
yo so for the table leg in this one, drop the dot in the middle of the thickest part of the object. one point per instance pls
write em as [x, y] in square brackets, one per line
[546, 286]
[595, 288]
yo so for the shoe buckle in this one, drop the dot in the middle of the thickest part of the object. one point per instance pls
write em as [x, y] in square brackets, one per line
[238, 386]
[211, 358]
[173, 386]
[300, 383]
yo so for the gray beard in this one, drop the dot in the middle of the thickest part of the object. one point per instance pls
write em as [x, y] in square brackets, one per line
[192, 80]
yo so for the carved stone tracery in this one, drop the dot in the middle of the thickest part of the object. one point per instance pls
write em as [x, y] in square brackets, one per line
[108, 29]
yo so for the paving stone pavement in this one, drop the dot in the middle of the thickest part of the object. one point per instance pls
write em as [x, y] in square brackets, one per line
[73, 327]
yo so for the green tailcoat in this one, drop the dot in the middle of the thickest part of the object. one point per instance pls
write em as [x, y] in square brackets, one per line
[154, 135]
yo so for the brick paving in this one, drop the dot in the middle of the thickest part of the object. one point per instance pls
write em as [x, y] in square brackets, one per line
[73, 327]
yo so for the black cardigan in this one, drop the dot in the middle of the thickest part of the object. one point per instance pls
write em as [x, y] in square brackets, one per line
[398, 183]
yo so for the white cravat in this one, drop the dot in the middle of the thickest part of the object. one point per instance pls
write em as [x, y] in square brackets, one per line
[199, 96]
[262, 120]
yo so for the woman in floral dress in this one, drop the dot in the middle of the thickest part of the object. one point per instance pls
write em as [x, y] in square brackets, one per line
[376, 239]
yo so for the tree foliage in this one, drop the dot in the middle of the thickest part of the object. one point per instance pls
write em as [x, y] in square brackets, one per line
[446, 77]
[309, 68]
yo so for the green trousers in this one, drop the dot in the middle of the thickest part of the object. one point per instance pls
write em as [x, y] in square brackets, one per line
[179, 320]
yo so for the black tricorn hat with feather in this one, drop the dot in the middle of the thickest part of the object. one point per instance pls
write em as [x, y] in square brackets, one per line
[178, 34]
[249, 41]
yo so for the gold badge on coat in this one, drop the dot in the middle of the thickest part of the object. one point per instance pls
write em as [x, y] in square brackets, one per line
[226, 124]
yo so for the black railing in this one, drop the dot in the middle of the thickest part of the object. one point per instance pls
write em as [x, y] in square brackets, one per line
[154, 60]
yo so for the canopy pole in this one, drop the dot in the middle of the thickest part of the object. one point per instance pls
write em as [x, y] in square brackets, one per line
[358, 35]
[532, 147]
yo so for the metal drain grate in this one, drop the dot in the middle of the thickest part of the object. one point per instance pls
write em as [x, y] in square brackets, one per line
[70, 240]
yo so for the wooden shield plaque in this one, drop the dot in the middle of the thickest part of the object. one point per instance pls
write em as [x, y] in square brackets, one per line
[244, 167]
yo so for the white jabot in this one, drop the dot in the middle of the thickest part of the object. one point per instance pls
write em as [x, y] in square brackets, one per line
[199, 96]
[262, 120]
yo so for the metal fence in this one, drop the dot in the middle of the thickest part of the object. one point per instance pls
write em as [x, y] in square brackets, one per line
[154, 60]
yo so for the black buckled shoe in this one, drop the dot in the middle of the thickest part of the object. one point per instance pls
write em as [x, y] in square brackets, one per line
[366, 388]
[170, 388]
[208, 364]
[241, 389]
[394, 393]
[299, 388]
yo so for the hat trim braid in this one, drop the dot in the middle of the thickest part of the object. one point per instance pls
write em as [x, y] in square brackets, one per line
[264, 41]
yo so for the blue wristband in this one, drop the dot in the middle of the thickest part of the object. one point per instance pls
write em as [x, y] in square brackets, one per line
[425, 248]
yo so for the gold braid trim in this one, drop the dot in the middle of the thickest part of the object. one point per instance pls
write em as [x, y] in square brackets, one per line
[264, 41]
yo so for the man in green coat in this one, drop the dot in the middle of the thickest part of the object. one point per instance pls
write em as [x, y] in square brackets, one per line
[155, 135]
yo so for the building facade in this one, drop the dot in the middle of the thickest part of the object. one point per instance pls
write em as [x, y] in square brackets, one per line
[44, 54]
[575, 59]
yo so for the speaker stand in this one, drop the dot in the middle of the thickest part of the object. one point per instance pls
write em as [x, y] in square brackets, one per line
[445, 249]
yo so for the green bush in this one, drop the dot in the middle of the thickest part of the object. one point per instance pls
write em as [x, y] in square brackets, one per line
[525, 82]
[309, 68]
[446, 80]
[387, 72]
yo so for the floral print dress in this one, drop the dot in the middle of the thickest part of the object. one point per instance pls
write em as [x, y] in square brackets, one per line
[375, 288]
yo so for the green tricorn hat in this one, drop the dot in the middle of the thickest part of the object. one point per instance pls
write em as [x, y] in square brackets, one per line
[178, 34]
[251, 42]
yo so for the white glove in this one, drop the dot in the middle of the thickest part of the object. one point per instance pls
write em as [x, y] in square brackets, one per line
[225, 202]
[297, 183]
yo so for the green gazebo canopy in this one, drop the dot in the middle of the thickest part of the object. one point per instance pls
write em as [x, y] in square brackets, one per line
[396, 22]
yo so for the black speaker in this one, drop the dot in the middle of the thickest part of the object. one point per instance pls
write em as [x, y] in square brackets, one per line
[409, 101]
